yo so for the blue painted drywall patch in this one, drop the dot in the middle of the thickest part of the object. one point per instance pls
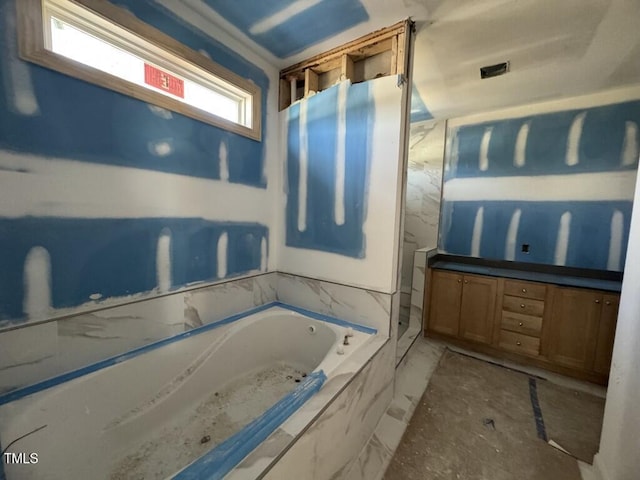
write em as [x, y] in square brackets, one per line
[216, 463]
[607, 134]
[599, 145]
[80, 121]
[283, 35]
[589, 232]
[117, 257]
[317, 227]
[419, 110]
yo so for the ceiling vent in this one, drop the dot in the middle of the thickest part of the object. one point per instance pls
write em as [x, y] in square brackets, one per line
[494, 70]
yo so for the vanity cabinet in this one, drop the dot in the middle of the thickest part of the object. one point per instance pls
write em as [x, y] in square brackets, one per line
[521, 317]
[606, 333]
[574, 327]
[445, 312]
[582, 329]
[465, 306]
[564, 329]
[477, 308]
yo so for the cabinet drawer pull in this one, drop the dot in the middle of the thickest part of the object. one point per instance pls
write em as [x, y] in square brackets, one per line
[518, 343]
[459, 280]
[522, 305]
[466, 281]
[520, 324]
[607, 302]
[524, 290]
[597, 301]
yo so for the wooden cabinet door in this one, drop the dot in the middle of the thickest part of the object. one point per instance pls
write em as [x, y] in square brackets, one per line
[446, 292]
[606, 333]
[477, 310]
[574, 327]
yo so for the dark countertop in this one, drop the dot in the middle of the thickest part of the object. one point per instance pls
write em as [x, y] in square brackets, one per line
[565, 276]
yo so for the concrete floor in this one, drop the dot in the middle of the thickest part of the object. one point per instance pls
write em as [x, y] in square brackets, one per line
[476, 422]
[413, 376]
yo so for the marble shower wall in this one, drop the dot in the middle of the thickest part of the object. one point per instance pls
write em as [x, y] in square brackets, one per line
[422, 209]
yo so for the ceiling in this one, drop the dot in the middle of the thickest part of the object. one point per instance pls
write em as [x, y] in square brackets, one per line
[556, 48]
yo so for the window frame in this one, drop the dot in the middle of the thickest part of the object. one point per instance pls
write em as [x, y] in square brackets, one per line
[32, 40]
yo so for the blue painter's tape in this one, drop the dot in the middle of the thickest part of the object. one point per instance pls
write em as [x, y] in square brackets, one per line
[65, 377]
[537, 411]
[325, 318]
[215, 464]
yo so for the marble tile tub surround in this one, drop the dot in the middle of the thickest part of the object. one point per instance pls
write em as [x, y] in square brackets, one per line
[37, 352]
[349, 406]
[345, 416]
[353, 304]
[411, 380]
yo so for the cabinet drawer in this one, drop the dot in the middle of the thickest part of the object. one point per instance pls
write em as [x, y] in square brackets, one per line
[526, 306]
[519, 323]
[517, 288]
[516, 342]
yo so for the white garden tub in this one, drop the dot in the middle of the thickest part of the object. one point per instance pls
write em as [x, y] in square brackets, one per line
[202, 400]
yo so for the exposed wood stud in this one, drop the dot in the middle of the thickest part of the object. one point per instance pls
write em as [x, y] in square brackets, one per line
[340, 63]
[394, 56]
[310, 82]
[349, 48]
[285, 94]
[346, 69]
[293, 85]
[401, 55]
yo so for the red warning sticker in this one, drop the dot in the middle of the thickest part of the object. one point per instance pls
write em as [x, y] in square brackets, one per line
[164, 81]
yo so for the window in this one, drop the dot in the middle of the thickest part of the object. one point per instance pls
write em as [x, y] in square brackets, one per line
[103, 44]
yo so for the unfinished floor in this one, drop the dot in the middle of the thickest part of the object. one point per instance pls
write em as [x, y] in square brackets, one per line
[476, 421]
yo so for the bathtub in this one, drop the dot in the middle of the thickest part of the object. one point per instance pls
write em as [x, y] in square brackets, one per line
[191, 406]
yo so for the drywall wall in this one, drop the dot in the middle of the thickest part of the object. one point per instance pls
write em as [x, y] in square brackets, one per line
[285, 27]
[343, 184]
[106, 198]
[559, 182]
[619, 444]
